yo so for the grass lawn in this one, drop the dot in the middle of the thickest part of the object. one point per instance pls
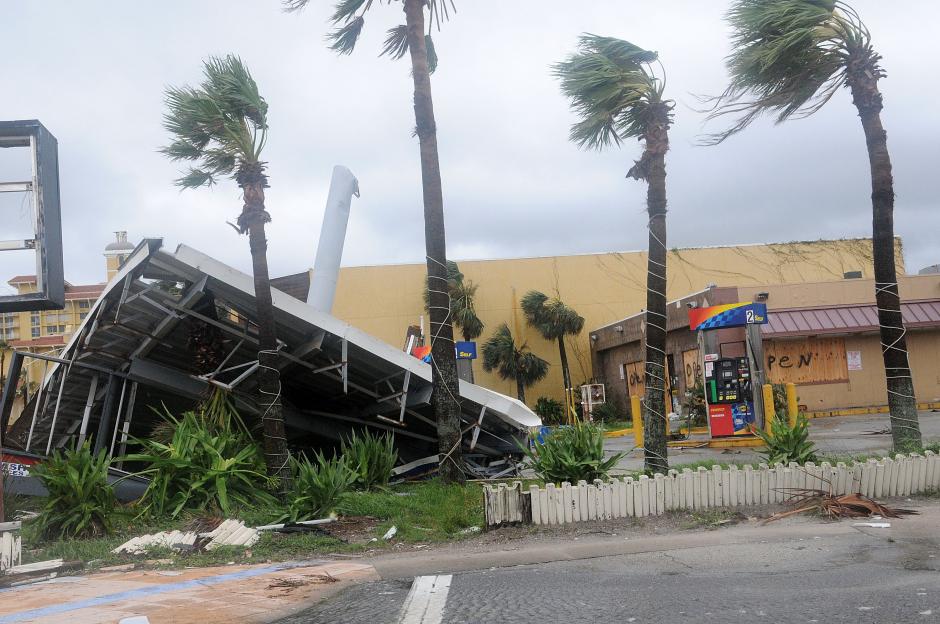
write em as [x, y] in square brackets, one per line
[424, 512]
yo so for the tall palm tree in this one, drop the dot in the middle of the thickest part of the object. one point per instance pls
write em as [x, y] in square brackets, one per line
[554, 321]
[789, 57]
[511, 361]
[617, 95]
[221, 127]
[413, 38]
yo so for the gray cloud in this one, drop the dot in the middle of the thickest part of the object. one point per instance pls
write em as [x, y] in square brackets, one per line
[94, 74]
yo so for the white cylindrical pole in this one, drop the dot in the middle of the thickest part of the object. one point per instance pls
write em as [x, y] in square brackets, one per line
[332, 237]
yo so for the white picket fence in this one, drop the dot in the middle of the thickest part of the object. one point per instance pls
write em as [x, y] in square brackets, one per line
[706, 489]
[11, 545]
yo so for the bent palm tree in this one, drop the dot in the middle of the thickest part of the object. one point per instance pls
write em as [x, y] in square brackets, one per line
[616, 94]
[554, 321]
[789, 58]
[221, 126]
[501, 354]
[410, 38]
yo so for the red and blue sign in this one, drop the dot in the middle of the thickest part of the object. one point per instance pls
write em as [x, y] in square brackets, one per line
[728, 315]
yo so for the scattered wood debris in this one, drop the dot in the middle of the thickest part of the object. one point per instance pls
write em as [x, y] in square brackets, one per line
[845, 506]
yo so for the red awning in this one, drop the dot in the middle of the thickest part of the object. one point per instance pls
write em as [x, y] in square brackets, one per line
[846, 319]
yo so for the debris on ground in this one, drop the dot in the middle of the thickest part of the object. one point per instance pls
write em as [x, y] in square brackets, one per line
[390, 533]
[227, 533]
[844, 506]
[38, 571]
[885, 431]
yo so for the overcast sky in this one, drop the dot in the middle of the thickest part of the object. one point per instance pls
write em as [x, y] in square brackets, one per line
[94, 72]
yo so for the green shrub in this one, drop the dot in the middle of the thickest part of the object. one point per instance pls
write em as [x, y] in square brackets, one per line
[217, 414]
[571, 454]
[202, 467]
[787, 444]
[551, 412]
[81, 502]
[371, 457]
[607, 413]
[319, 486]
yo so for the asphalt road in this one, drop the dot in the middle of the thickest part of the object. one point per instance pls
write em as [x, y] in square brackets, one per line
[804, 571]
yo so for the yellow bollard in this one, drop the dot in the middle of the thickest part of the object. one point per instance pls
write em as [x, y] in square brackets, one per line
[792, 407]
[769, 411]
[637, 421]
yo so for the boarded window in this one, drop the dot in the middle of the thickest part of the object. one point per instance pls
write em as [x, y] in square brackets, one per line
[636, 378]
[809, 361]
[693, 370]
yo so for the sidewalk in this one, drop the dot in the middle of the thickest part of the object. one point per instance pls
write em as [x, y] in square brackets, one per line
[206, 595]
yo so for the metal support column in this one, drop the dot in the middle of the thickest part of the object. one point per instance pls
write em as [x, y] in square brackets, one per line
[89, 404]
[104, 419]
[9, 390]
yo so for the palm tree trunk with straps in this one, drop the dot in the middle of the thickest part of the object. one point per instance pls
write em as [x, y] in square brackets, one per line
[863, 74]
[445, 393]
[520, 389]
[269, 383]
[653, 168]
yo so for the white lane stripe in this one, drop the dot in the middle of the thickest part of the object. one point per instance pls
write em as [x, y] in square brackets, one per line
[426, 600]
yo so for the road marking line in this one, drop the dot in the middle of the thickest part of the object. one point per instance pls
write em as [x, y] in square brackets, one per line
[426, 600]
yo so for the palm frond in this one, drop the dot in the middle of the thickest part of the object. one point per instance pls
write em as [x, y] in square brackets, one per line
[551, 317]
[432, 53]
[220, 126]
[345, 37]
[396, 42]
[788, 59]
[611, 87]
[511, 361]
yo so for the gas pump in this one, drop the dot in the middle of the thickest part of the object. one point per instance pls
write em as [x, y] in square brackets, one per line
[729, 396]
[732, 384]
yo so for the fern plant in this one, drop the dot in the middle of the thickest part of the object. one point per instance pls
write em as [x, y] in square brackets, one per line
[571, 454]
[81, 502]
[371, 457]
[319, 486]
[787, 444]
[202, 468]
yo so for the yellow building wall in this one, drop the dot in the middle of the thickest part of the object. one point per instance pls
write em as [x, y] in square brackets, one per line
[603, 288]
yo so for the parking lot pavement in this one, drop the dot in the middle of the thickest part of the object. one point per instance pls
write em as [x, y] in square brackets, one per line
[844, 435]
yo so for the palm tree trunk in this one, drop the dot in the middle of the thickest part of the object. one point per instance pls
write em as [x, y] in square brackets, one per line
[565, 376]
[269, 382]
[654, 171]
[520, 390]
[445, 392]
[863, 75]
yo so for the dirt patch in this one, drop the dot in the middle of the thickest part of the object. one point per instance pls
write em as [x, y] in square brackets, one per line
[352, 529]
[286, 585]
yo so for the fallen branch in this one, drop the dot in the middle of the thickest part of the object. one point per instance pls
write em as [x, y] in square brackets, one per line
[844, 506]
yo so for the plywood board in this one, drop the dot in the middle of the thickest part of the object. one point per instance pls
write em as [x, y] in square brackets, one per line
[692, 367]
[636, 379]
[808, 361]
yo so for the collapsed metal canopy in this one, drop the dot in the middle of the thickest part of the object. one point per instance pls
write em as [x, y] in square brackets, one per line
[134, 353]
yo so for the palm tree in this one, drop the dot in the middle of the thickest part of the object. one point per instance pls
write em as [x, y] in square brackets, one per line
[221, 126]
[411, 38]
[462, 309]
[500, 353]
[554, 321]
[616, 94]
[789, 57]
